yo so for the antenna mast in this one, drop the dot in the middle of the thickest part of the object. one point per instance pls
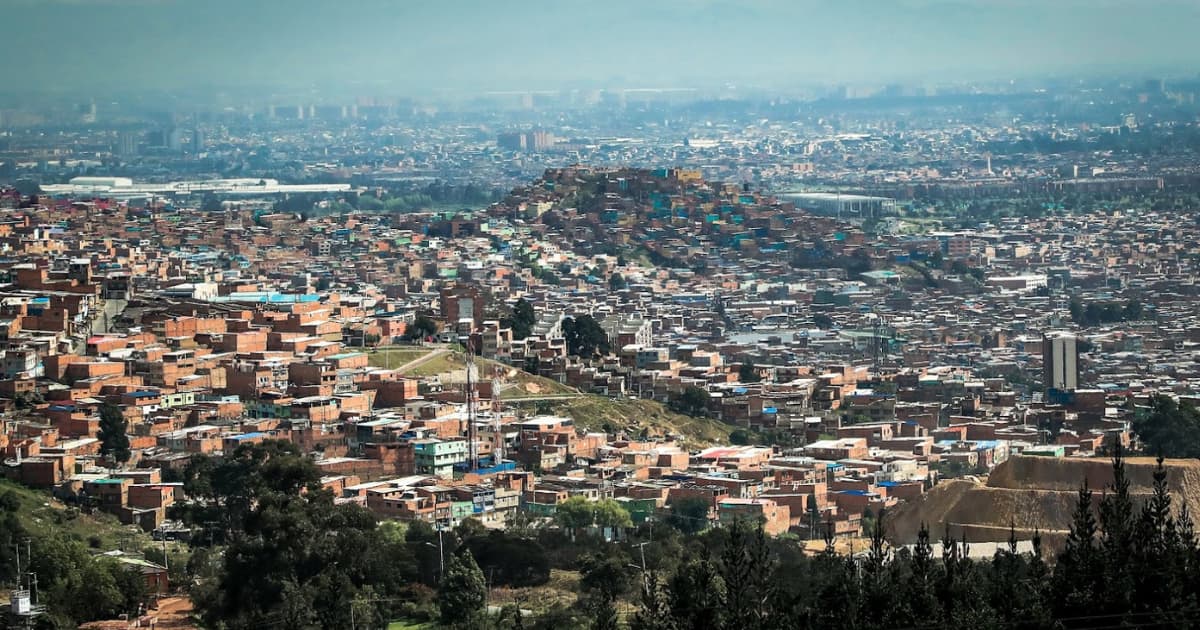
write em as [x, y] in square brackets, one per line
[472, 448]
[498, 422]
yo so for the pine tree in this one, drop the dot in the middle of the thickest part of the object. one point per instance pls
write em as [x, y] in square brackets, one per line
[960, 590]
[654, 613]
[1159, 559]
[114, 441]
[838, 600]
[919, 587]
[1037, 582]
[1074, 585]
[698, 596]
[1190, 562]
[1116, 541]
[1006, 575]
[762, 578]
[463, 591]
[735, 573]
[879, 585]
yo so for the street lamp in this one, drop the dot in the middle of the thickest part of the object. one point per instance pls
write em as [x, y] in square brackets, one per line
[441, 555]
[645, 577]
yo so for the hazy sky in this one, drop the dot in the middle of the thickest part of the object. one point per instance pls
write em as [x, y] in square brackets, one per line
[532, 44]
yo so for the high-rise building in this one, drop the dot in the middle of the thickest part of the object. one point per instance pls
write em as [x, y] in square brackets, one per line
[87, 113]
[1060, 362]
[198, 140]
[537, 140]
[174, 139]
[127, 144]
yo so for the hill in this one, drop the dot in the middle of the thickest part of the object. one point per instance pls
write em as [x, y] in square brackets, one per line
[40, 513]
[638, 417]
[535, 394]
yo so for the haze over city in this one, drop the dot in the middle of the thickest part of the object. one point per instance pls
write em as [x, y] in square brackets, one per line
[416, 47]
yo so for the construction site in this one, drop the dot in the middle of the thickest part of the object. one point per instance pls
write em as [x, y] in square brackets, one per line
[1031, 495]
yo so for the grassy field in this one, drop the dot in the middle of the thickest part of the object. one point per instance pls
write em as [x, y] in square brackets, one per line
[40, 514]
[598, 413]
[439, 365]
[395, 357]
[452, 365]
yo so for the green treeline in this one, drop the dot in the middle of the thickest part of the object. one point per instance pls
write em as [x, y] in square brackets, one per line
[294, 557]
[273, 549]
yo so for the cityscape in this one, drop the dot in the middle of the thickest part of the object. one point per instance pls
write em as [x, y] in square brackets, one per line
[676, 349]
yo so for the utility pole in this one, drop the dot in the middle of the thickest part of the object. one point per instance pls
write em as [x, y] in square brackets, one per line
[441, 555]
[166, 559]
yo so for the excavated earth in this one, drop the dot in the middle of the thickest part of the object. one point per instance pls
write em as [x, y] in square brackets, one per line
[1031, 494]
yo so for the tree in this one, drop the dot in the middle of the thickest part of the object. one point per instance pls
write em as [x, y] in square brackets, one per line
[299, 558]
[822, 321]
[422, 327]
[229, 489]
[1117, 529]
[747, 373]
[522, 320]
[610, 514]
[746, 570]
[880, 586]
[510, 559]
[693, 401]
[1171, 428]
[1160, 558]
[1075, 584]
[114, 442]
[606, 576]
[689, 515]
[463, 591]
[654, 613]
[616, 282]
[1132, 311]
[585, 337]
[698, 596]
[11, 533]
[574, 514]
[923, 571]
[76, 586]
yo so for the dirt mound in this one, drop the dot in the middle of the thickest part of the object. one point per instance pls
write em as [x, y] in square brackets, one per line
[1031, 494]
[1067, 473]
[931, 508]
